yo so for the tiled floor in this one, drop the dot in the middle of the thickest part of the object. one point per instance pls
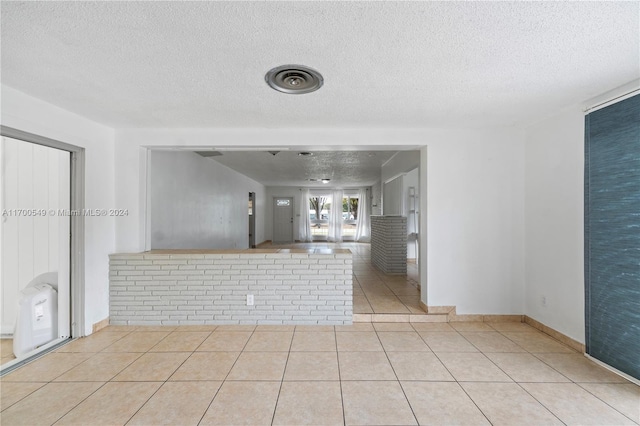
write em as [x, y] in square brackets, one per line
[373, 291]
[6, 350]
[365, 374]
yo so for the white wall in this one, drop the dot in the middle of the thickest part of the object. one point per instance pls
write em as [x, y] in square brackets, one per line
[554, 223]
[33, 177]
[29, 114]
[196, 202]
[475, 219]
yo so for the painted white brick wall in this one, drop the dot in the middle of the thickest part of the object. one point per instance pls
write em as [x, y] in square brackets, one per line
[212, 288]
[389, 244]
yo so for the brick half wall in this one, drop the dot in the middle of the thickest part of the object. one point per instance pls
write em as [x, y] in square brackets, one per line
[211, 288]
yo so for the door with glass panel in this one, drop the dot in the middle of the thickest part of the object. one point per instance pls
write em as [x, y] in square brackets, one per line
[282, 220]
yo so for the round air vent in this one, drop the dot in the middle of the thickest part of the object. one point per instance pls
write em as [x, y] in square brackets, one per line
[294, 79]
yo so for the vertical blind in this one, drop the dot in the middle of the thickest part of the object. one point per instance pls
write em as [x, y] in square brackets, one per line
[612, 235]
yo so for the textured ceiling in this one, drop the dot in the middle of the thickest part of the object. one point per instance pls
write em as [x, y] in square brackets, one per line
[345, 169]
[385, 64]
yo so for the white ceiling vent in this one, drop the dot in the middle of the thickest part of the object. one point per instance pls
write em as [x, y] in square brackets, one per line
[294, 79]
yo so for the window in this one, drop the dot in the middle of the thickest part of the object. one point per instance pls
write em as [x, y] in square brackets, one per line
[319, 207]
[283, 202]
[349, 216]
[319, 216]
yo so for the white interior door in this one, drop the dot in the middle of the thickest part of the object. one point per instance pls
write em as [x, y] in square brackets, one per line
[282, 219]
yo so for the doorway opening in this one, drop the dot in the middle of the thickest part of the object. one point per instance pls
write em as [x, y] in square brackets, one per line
[252, 220]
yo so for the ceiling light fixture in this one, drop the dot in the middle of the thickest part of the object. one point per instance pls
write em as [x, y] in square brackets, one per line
[294, 79]
[305, 154]
[326, 180]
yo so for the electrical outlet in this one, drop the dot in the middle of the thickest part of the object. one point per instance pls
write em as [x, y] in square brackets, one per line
[543, 301]
[249, 299]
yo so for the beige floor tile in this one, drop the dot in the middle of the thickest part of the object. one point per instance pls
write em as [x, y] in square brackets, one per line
[243, 403]
[419, 366]
[12, 392]
[358, 341]
[402, 341]
[167, 328]
[447, 342]
[6, 347]
[101, 367]
[363, 326]
[432, 326]
[511, 326]
[273, 327]
[47, 404]
[208, 328]
[413, 304]
[393, 326]
[177, 403]
[236, 327]
[206, 366]
[524, 367]
[437, 403]
[127, 328]
[152, 367]
[491, 341]
[315, 328]
[7, 358]
[578, 368]
[365, 366]
[259, 366]
[225, 341]
[472, 367]
[47, 368]
[471, 326]
[312, 366]
[537, 342]
[267, 341]
[309, 403]
[508, 404]
[125, 399]
[623, 397]
[181, 341]
[137, 341]
[93, 343]
[361, 305]
[389, 307]
[376, 403]
[314, 341]
[574, 405]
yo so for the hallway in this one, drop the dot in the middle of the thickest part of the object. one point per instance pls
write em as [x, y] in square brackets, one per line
[374, 292]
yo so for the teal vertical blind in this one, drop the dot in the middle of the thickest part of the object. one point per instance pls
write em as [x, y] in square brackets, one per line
[612, 235]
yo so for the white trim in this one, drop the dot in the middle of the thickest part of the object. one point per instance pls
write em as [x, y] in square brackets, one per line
[614, 370]
[395, 177]
[611, 97]
[390, 158]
